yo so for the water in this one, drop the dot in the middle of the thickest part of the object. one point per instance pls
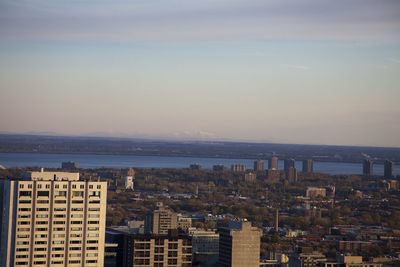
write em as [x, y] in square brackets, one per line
[124, 161]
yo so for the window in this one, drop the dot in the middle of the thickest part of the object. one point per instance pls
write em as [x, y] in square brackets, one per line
[76, 228]
[60, 193]
[75, 235]
[94, 209]
[59, 209]
[91, 186]
[39, 262]
[21, 186]
[47, 186]
[65, 186]
[25, 193]
[21, 256]
[91, 261]
[76, 215]
[24, 209]
[58, 229]
[77, 209]
[21, 263]
[43, 193]
[40, 242]
[77, 201]
[93, 222]
[41, 229]
[172, 246]
[42, 216]
[41, 222]
[93, 228]
[56, 186]
[40, 236]
[57, 255]
[24, 202]
[30, 186]
[58, 235]
[57, 249]
[26, 216]
[58, 201]
[75, 254]
[98, 186]
[94, 194]
[75, 242]
[77, 194]
[59, 216]
[81, 186]
[22, 249]
[94, 202]
[93, 235]
[92, 254]
[75, 248]
[74, 261]
[42, 201]
[22, 242]
[42, 209]
[76, 222]
[24, 222]
[91, 248]
[40, 249]
[59, 222]
[74, 186]
[58, 242]
[92, 241]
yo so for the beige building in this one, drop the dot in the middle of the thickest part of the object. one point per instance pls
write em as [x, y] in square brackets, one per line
[52, 219]
[313, 192]
[239, 245]
[160, 221]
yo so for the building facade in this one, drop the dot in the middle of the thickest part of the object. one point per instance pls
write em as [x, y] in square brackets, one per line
[308, 165]
[160, 221]
[259, 165]
[288, 163]
[273, 163]
[239, 245]
[52, 219]
[238, 167]
[367, 167]
[388, 169]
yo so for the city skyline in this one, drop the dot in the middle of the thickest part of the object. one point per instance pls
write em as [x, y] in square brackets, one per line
[310, 72]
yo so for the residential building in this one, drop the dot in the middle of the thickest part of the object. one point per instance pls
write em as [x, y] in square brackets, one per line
[273, 163]
[250, 177]
[160, 221]
[388, 169]
[238, 167]
[219, 167]
[288, 163]
[367, 167]
[239, 245]
[259, 165]
[52, 219]
[308, 165]
[157, 250]
[196, 166]
[292, 175]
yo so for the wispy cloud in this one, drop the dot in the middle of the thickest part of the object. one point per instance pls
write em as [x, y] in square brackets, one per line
[199, 20]
[298, 67]
[395, 60]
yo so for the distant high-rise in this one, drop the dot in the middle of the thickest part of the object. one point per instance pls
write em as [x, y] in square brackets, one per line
[367, 167]
[69, 165]
[308, 165]
[259, 165]
[196, 166]
[388, 169]
[239, 245]
[273, 163]
[250, 177]
[219, 167]
[129, 179]
[288, 163]
[291, 175]
[160, 221]
[238, 167]
[52, 219]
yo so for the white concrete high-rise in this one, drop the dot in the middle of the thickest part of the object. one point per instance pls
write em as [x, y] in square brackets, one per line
[52, 219]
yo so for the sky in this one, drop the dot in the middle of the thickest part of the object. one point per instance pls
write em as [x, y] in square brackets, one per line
[282, 71]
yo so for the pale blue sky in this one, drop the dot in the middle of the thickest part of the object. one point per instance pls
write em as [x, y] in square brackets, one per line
[321, 72]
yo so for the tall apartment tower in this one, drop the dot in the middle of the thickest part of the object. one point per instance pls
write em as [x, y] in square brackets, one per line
[273, 163]
[388, 169]
[291, 175]
[367, 167]
[52, 219]
[239, 245]
[238, 167]
[288, 163]
[259, 165]
[160, 221]
[308, 165]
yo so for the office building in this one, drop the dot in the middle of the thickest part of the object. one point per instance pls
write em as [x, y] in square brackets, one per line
[160, 221]
[288, 163]
[308, 165]
[291, 175]
[52, 219]
[367, 167]
[69, 165]
[259, 165]
[388, 169]
[238, 167]
[273, 163]
[239, 245]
